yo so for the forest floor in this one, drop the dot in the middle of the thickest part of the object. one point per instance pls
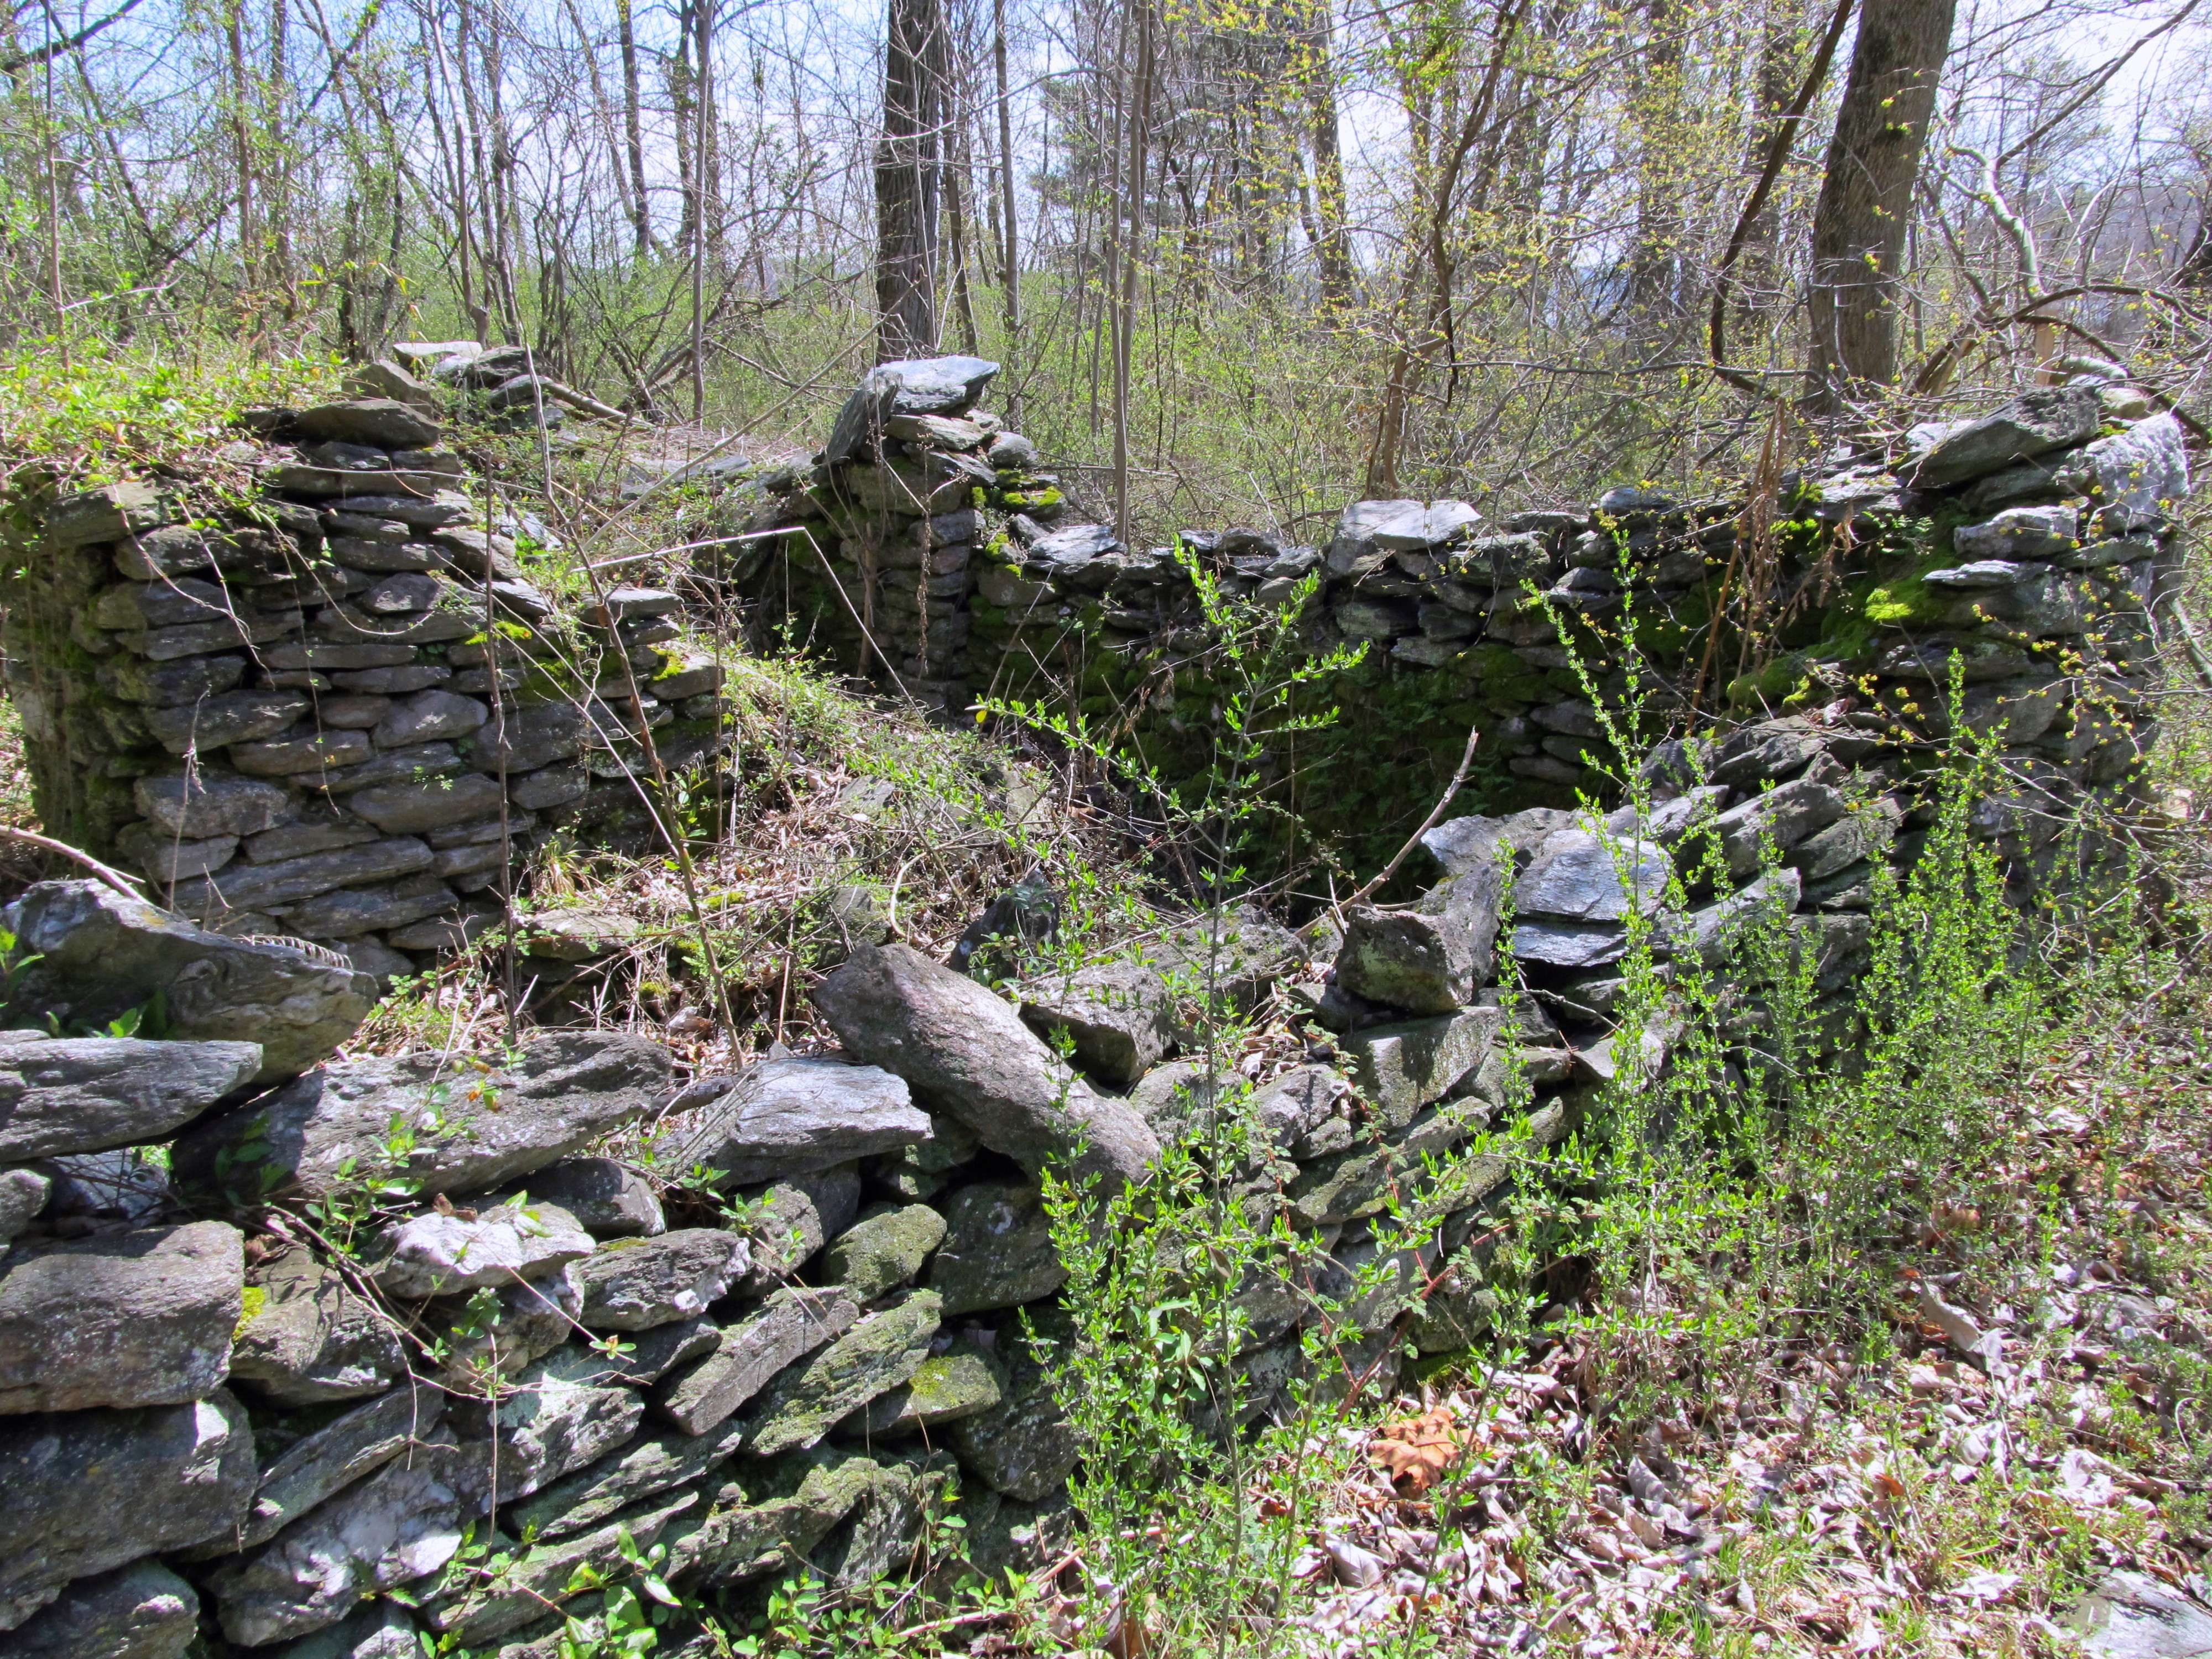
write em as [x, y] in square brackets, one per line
[1953, 1487]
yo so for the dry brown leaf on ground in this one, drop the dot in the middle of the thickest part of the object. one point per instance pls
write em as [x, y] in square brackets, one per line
[1415, 1452]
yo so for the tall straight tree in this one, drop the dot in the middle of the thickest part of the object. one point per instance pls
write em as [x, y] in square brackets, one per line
[1866, 197]
[909, 167]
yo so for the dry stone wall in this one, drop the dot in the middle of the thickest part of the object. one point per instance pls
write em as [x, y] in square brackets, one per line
[2029, 542]
[328, 703]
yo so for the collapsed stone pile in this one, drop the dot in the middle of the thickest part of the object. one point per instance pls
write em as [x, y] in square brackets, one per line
[337, 711]
[258, 1386]
[2030, 543]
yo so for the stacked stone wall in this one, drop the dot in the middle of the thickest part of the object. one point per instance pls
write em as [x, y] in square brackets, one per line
[330, 703]
[2030, 544]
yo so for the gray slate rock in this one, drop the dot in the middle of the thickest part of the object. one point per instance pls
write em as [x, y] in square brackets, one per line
[563, 1413]
[474, 1129]
[401, 809]
[963, 1382]
[1024, 1446]
[90, 1490]
[790, 1325]
[24, 1194]
[650, 1355]
[379, 422]
[2050, 417]
[799, 1114]
[2020, 532]
[401, 1524]
[380, 1630]
[607, 1200]
[207, 724]
[120, 1320]
[211, 803]
[1429, 959]
[61, 1095]
[638, 1284]
[1401, 1069]
[2139, 477]
[438, 1255]
[1577, 876]
[1118, 1014]
[577, 1503]
[102, 954]
[143, 1611]
[1358, 544]
[998, 1249]
[542, 1576]
[309, 1337]
[879, 1353]
[1568, 944]
[1780, 819]
[2131, 1615]
[967, 1052]
[325, 1463]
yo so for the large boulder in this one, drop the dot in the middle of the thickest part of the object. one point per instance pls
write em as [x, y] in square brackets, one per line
[61, 1095]
[121, 1320]
[96, 954]
[796, 1114]
[454, 1124]
[90, 1490]
[967, 1054]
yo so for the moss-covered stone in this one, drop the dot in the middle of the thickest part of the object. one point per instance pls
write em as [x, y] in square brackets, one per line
[878, 1354]
[884, 1251]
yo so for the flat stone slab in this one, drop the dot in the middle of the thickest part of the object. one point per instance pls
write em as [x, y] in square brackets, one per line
[561, 1413]
[1577, 876]
[92, 1490]
[637, 1283]
[143, 1611]
[881, 1352]
[474, 1127]
[334, 1456]
[796, 1114]
[61, 1094]
[788, 1326]
[439, 1254]
[1569, 943]
[401, 1524]
[100, 955]
[121, 1320]
[577, 1503]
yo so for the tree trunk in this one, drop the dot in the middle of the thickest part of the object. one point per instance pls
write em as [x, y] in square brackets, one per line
[633, 129]
[1865, 198]
[1335, 238]
[909, 163]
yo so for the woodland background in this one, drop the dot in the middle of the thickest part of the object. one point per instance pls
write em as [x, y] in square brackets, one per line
[1243, 261]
